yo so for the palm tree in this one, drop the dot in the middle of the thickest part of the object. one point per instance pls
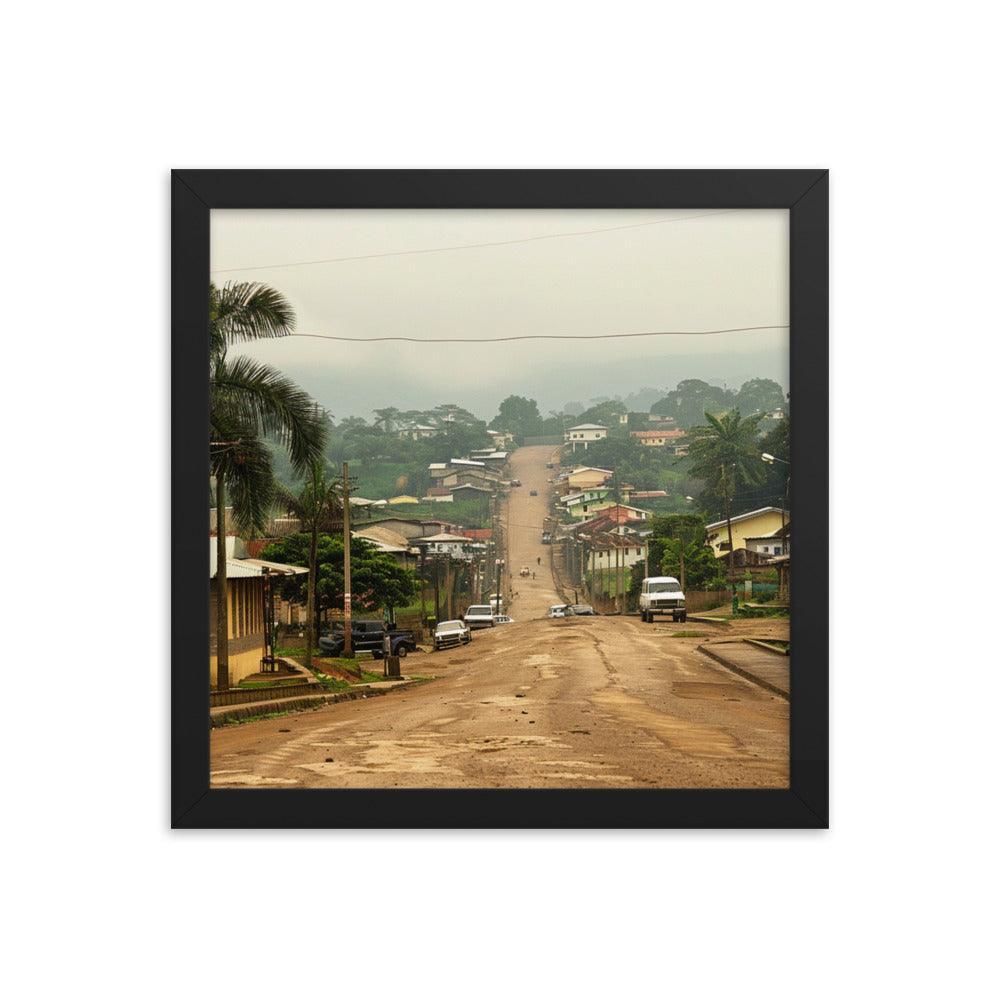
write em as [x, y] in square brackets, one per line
[318, 506]
[726, 454]
[249, 400]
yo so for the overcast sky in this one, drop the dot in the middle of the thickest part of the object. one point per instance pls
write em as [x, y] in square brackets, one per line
[717, 270]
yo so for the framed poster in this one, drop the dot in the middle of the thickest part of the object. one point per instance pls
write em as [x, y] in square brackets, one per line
[499, 468]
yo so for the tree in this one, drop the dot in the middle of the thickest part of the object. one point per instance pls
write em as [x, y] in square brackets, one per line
[518, 415]
[691, 400]
[377, 581]
[248, 401]
[726, 454]
[318, 506]
[676, 533]
[760, 395]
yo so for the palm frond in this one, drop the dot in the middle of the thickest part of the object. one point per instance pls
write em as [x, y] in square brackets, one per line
[247, 310]
[257, 396]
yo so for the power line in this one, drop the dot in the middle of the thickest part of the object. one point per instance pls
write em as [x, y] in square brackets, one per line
[541, 336]
[471, 246]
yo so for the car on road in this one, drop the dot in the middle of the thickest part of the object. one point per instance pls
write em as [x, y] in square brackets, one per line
[662, 595]
[453, 633]
[533, 493]
[480, 616]
[515, 482]
[546, 538]
[561, 611]
[583, 609]
[503, 620]
[367, 635]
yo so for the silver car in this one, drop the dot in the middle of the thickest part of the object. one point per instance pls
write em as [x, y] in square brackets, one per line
[454, 633]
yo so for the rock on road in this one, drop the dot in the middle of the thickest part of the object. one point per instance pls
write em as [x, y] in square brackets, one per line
[576, 702]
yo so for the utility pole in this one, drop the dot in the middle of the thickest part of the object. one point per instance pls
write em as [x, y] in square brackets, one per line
[729, 529]
[437, 589]
[348, 650]
[680, 553]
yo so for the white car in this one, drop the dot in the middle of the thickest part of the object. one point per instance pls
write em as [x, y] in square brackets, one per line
[480, 616]
[557, 611]
[503, 620]
[454, 633]
[662, 595]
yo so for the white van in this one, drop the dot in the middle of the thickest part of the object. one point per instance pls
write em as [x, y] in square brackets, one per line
[662, 595]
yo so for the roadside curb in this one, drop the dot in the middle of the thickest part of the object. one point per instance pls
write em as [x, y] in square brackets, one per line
[767, 647]
[234, 713]
[743, 672]
[707, 620]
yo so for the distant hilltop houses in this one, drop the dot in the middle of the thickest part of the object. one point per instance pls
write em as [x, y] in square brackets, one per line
[583, 435]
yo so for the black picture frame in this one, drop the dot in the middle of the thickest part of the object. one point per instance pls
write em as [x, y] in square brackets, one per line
[805, 803]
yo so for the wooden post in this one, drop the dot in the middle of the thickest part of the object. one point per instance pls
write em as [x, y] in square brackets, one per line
[221, 588]
[348, 651]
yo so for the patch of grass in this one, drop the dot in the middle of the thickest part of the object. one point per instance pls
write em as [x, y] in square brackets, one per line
[263, 717]
[688, 635]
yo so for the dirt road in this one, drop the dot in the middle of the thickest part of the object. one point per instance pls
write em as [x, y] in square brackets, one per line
[578, 702]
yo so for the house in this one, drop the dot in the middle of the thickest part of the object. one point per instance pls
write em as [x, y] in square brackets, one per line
[586, 476]
[752, 524]
[578, 505]
[447, 544]
[391, 542]
[657, 439]
[584, 435]
[245, 591]
[605, 556]
[438, 494]
[776, 543]
[407, 527]
[631, 493]
[469, 491]
[476, 534]
[660, 420]
[501, 439]
[438, 470]
[416, 432]
[617, 517]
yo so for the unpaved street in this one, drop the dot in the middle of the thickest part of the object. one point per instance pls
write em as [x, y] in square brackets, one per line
[577, 702]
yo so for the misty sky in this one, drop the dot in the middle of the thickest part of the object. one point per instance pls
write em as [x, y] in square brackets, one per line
[717, 271]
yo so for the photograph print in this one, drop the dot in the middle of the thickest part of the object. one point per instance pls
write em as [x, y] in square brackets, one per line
[499, 498]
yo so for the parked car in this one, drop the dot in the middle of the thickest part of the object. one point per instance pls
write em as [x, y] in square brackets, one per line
[479, 616]
[550, 465]
[583, 609]
[503, 620]
[367, 635]
[546, 538]
[557, 611]
[533, 493]
[515, 482]
[662, 595]
[454, 633]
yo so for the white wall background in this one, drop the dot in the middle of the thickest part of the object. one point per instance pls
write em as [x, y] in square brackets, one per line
[103, 98]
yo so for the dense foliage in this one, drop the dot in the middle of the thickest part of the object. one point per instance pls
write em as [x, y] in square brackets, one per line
[377, 581]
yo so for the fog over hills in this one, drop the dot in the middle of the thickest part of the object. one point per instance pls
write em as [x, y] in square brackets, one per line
[482, 274]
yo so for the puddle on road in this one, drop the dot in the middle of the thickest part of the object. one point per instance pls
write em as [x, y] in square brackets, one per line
[691, 738]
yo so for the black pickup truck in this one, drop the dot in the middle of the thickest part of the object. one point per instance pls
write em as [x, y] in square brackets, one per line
[367, 635]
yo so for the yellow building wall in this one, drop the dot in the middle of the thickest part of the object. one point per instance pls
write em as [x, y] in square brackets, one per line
[762, 524]
[240, 665]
